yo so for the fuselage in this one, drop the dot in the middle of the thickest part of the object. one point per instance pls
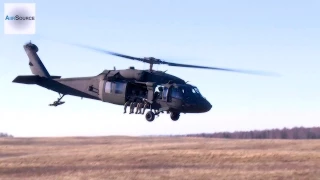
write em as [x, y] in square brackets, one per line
[118, 86]
[115, 87]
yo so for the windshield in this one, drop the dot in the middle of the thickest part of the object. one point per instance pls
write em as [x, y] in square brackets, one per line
[196, 91]
[190, 90]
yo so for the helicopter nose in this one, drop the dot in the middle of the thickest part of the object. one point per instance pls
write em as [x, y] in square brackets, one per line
[206, 106]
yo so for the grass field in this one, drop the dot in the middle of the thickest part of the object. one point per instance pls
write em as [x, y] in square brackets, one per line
[158, 158]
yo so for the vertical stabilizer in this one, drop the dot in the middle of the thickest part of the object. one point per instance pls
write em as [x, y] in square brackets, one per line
[36, 65]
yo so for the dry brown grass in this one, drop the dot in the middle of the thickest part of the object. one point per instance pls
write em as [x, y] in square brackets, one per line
[158, 158]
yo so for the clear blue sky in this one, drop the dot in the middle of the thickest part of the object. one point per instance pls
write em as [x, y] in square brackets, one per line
[278, 36]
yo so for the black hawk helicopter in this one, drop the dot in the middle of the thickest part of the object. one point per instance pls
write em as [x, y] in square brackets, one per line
[159, 91]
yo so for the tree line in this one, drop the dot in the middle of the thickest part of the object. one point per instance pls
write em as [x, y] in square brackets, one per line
[5, 135]
[285, 133]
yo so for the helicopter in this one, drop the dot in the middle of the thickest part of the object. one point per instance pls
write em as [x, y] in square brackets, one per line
[161, 92]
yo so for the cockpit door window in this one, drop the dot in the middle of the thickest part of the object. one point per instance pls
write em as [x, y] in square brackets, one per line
[176, 93]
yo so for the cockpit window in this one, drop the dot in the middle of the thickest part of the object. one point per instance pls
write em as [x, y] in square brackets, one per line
[189, 91]
[182, 90]
[196, 91]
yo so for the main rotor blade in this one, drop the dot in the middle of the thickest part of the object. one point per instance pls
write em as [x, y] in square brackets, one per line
[222, 69]
[110, 52]
[159, 61]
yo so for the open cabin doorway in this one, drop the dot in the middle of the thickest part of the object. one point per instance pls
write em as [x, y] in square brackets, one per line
[134, 89]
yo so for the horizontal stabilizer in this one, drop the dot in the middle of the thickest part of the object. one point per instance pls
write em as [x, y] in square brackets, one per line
[55, 77]
[26, 79]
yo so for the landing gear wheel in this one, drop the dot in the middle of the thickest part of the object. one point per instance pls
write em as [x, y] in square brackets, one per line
[174, 116]
[58, 102]
[150, 116]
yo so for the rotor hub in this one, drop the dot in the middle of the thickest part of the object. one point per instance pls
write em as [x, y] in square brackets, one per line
[152, 60]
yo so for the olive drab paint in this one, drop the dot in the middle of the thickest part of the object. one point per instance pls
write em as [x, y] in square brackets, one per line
[156, 90]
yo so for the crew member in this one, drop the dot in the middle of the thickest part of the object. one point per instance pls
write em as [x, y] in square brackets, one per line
[130, 100]
[140, 102]
[145, 105]
[160, 92]
[133, 104]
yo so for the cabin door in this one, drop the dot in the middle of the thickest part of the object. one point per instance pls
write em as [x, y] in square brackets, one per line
[114, 92]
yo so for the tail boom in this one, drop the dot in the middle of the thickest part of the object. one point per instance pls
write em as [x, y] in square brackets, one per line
[41, 77]
[54, 85]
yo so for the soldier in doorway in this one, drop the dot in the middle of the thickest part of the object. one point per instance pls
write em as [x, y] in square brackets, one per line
[134, 101]
[145, 105]
[140, 102]
[160, 92]
[130, 100]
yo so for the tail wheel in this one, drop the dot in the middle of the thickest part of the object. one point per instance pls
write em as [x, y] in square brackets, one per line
[174, 116]
[150, 116]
